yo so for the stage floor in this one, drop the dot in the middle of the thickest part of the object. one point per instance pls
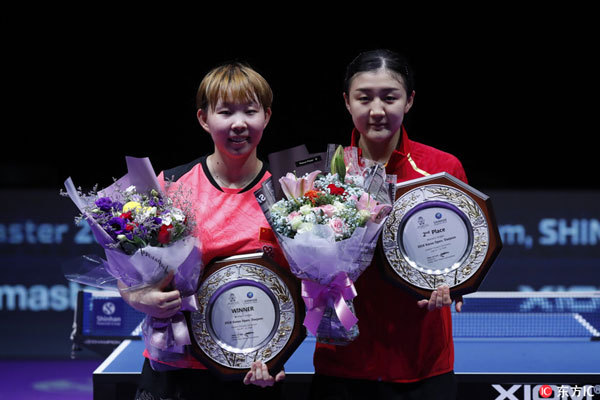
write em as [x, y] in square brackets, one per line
[47, 380]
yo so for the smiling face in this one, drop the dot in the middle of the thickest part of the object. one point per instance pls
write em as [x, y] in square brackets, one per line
[234, 107]
[235, 128]
[377, 101]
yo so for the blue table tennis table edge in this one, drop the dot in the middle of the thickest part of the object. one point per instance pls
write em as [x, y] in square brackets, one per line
[576, 357]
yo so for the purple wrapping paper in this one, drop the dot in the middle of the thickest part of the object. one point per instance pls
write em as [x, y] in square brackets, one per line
[335, 294]
[328, 269]
[149, 265]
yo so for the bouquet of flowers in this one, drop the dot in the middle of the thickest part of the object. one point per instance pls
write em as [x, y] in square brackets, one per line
[327, 226]
[142, 219]
[146, 236]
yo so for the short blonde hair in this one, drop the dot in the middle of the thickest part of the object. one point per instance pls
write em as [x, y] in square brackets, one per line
[233, 82]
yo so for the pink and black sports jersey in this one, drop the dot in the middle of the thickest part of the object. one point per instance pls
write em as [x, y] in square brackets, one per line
[228, 221]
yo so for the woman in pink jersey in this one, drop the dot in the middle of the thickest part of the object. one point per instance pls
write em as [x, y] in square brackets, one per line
[234, 107]
[405, 348]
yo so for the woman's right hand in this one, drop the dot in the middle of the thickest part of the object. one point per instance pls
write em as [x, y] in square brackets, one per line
[259, 375]
[153, 300]
[440, 298]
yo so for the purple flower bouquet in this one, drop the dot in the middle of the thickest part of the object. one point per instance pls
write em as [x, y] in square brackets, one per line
[146, 236]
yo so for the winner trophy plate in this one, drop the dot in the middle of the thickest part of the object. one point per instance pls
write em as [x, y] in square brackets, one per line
[440, 231]
[249, 310]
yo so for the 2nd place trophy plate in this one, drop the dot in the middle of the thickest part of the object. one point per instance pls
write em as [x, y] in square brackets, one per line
[249, 310]
[440, 231]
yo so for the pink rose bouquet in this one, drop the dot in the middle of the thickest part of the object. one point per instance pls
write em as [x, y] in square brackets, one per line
[327, 225]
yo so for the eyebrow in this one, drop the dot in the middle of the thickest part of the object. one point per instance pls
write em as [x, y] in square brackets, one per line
[369, 90]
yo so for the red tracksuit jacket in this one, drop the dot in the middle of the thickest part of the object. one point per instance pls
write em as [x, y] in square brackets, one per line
[398, 341]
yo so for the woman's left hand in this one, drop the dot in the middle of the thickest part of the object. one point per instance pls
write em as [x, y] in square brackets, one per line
[440, 298]
[259, 375]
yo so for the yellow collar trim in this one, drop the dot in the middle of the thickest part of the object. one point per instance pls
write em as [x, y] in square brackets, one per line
[414, 165]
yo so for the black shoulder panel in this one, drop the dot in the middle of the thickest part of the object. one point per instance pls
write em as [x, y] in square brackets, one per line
[174, 174]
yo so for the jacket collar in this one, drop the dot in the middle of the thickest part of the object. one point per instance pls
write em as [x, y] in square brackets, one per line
[401, 151]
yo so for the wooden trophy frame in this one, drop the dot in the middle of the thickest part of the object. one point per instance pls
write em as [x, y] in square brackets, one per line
[239, 296]
[440, 231]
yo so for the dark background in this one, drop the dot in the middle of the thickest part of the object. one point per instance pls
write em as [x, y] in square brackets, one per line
[511, 94]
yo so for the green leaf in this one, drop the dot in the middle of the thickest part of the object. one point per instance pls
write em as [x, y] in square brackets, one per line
[337, 163]
[139, 241]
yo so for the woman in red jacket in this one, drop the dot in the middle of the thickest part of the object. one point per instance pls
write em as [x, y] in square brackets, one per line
[405, 348]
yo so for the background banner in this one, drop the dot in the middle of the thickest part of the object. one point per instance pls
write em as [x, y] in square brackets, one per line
[551, 241]
[37, 236]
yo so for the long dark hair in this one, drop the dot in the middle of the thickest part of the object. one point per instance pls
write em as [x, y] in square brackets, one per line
[373, 60]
